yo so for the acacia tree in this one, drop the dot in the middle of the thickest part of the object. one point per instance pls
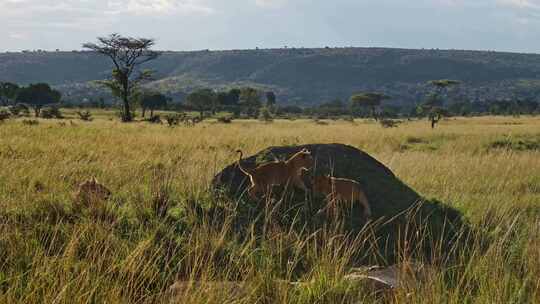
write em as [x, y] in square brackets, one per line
[368, 100]
[8, 92]
[152, 101]
[37, 96]
[202, 100]
[250, 99]
[127, 54]
[434, 106]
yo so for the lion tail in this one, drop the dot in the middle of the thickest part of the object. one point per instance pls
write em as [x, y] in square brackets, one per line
[245, 171]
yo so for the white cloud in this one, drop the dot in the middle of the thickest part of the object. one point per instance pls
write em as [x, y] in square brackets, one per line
[270, 3]
[142, 7]
[521, 4]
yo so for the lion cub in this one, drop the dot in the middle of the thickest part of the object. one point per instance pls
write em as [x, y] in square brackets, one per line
[341, 189]
[91, 191]
[266, 175]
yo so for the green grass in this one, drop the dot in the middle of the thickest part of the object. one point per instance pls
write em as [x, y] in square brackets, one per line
[129, 251]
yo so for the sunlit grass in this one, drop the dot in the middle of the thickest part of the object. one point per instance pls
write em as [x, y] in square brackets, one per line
[128, 253]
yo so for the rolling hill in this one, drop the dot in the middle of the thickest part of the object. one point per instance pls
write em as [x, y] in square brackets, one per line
[298, 76]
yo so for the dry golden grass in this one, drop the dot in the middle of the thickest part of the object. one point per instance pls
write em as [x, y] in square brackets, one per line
[126, 254]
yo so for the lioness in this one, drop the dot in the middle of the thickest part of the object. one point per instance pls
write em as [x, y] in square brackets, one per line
[341, 189]
[266, 175]
[91, 191]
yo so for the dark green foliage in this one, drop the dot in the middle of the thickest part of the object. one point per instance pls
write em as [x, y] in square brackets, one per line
[229, 98]
[433, 107]
[37, 96]
[392, 202]
[270, 99]
[332, 108]
[250, 100]
[368, 100]
[519, 143]
[202, 100]
[152, 101]
[298, 77]
[8, 93]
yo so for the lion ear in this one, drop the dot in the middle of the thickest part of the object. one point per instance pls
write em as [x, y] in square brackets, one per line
[93, 180]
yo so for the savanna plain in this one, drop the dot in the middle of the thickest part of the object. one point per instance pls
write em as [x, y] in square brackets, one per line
[130, 249]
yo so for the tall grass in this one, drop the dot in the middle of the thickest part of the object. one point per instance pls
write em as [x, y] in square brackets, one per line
[162, 226]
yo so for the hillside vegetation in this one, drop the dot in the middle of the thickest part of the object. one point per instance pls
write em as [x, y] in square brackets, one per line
[299, 76]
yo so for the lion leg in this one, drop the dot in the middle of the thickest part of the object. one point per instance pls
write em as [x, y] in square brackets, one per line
[299, 183]
[367, 209]
[253, 190]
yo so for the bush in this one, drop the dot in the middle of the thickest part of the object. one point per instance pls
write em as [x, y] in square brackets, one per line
[51, 112]
[173, 119]
[265, 115]
[156, 119]
[30, 122]
[4, 115]
[19, 110]
[225, 119]
[388, 123]
[85, 115]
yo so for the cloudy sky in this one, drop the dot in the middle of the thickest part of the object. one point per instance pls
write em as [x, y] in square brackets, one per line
[505, 25]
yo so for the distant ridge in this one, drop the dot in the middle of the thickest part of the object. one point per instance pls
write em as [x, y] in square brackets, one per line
[298, 75]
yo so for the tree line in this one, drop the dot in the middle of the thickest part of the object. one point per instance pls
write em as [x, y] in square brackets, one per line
[128, 55]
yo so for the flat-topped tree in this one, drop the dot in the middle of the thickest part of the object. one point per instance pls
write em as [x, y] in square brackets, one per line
[37, 96]
[127, 54]
[370, 100]
[434, 105]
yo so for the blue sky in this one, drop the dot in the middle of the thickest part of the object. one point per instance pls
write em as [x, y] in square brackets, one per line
[504, 25]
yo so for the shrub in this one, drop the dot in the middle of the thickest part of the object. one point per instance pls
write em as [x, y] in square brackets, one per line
[156, 119]
[85, 115]
[51, 112]
[388, 123]
[19, 110]
[265, 115]
[4, 115]
[225, 119]
[516, 144]
[30, 122]
[173, 119]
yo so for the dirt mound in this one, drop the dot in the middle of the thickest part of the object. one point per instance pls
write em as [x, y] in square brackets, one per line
[392, 202]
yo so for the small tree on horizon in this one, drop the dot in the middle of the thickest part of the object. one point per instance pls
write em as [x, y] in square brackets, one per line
[127, 54]
[37, 96]
[434, 105]
[370, 100]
